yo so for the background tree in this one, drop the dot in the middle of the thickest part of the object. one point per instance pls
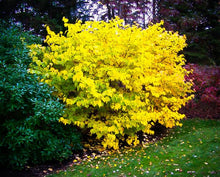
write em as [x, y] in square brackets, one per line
[199, 21]
[128, 10]
[35, 14]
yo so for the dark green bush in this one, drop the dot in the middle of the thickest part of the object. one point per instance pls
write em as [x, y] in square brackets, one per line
[30, 131]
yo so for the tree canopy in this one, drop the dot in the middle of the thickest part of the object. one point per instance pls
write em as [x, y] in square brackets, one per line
[199, 21]
[33, 15]
[129, 10]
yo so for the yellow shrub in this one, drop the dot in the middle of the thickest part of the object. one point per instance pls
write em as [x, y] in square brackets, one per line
[115, 79]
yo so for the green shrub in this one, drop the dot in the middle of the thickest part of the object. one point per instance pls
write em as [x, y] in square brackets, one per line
[30, 131]
[116, 79]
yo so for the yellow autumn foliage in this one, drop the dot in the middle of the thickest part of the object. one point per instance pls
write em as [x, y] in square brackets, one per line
[115, 79]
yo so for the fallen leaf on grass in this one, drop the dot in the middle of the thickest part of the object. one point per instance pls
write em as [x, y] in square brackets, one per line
[50, 169]
[190, 172]
[45, 171]
[178, 169]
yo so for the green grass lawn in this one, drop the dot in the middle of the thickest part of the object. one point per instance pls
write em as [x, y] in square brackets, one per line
[190, 150]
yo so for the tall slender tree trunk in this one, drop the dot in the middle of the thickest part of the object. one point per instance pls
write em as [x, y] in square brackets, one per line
[154, 9]
[109, 10]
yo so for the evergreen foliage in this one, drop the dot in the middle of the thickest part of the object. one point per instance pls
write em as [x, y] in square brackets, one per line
[29, 114]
